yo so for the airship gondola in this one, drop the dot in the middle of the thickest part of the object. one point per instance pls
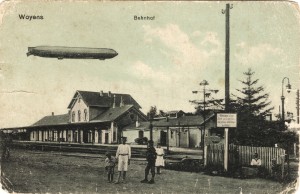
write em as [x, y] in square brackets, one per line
[60, 52]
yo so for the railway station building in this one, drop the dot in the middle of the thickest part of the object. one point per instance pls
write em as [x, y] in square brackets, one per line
[103, 118]
[93, 117]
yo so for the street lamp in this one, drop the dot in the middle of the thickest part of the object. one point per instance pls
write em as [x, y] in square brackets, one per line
[288, 86]
[206, 93]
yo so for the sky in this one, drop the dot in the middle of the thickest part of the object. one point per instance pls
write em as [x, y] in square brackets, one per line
[160, 62]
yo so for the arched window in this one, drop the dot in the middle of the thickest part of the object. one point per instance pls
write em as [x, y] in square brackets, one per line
[79, 115]
[85, 114]
[73, 116]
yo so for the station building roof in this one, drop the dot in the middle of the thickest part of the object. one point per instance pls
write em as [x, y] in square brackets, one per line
[101, 99]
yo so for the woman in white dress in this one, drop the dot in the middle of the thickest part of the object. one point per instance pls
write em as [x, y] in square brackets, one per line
[160, 161]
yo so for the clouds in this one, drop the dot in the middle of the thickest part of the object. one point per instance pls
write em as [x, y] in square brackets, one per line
[260, 54]
[181, 49]
[186, 53]
[182, 58]
[143, 71]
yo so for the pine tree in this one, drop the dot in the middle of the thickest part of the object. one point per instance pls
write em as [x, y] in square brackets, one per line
[253, 100]
[252, 106]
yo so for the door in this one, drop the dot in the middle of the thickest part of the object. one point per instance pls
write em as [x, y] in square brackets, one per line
[85, 136]
[163, 138]
[106, 138]
[75, 137]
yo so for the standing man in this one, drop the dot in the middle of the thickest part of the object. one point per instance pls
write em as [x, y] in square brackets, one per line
[123, 156]
[151, 158]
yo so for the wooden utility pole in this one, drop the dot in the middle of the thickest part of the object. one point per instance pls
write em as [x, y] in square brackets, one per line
[227, 82]
[227, 58]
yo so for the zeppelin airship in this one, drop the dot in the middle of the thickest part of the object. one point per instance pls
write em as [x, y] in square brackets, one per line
[61, 52]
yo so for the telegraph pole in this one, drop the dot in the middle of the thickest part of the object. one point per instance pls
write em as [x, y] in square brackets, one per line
[227, 57]
[227, 83]
[206, 93]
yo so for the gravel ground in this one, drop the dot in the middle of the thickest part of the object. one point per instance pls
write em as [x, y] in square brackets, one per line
[51, 172]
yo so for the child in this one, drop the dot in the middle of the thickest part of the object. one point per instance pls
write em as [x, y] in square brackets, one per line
[160, 162]
[110, 163]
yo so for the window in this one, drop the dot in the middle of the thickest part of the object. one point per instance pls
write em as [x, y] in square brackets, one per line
[79, 100]
[73, 116]
[85, 114]
[132, 116]
[173, 115]
[172, 134]
[79, 115]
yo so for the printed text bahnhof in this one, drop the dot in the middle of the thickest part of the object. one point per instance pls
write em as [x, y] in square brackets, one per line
[144, 17]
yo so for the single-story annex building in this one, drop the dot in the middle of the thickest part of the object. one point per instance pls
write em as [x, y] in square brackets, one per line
[184, 131]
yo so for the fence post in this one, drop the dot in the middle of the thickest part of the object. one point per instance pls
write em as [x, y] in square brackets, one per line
[205, 155]
[226, 150]
[282, 167]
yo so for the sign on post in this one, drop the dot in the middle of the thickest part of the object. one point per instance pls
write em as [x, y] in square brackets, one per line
[226, 120]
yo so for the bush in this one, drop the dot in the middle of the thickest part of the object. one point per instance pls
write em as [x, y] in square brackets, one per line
[188, 165]
[141, 141]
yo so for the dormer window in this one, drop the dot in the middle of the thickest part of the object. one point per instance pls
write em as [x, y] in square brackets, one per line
[79, 100]
[85, 114]
[79, 115]
[73, 116]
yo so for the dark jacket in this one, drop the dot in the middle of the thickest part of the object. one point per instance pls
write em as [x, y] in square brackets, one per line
[151, 154]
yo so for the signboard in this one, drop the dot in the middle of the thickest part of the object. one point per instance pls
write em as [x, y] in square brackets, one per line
[226, 120]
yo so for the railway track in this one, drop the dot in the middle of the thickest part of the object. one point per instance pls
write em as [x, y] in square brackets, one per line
[136, 152]
[75, 148]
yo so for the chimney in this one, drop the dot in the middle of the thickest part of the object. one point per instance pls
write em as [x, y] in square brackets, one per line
[101, 93]
[122, 102]
[109, 94]
[52, 113]
[114, 104]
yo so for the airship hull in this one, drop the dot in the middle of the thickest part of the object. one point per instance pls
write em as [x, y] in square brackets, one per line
[72, 52]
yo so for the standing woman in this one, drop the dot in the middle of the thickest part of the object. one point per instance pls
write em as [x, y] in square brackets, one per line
[160, 161]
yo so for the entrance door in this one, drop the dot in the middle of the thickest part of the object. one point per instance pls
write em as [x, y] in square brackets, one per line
[141, 134]
[106, 138]
[75, 137]
[100, 136]
[85, 136]
[163, 138]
